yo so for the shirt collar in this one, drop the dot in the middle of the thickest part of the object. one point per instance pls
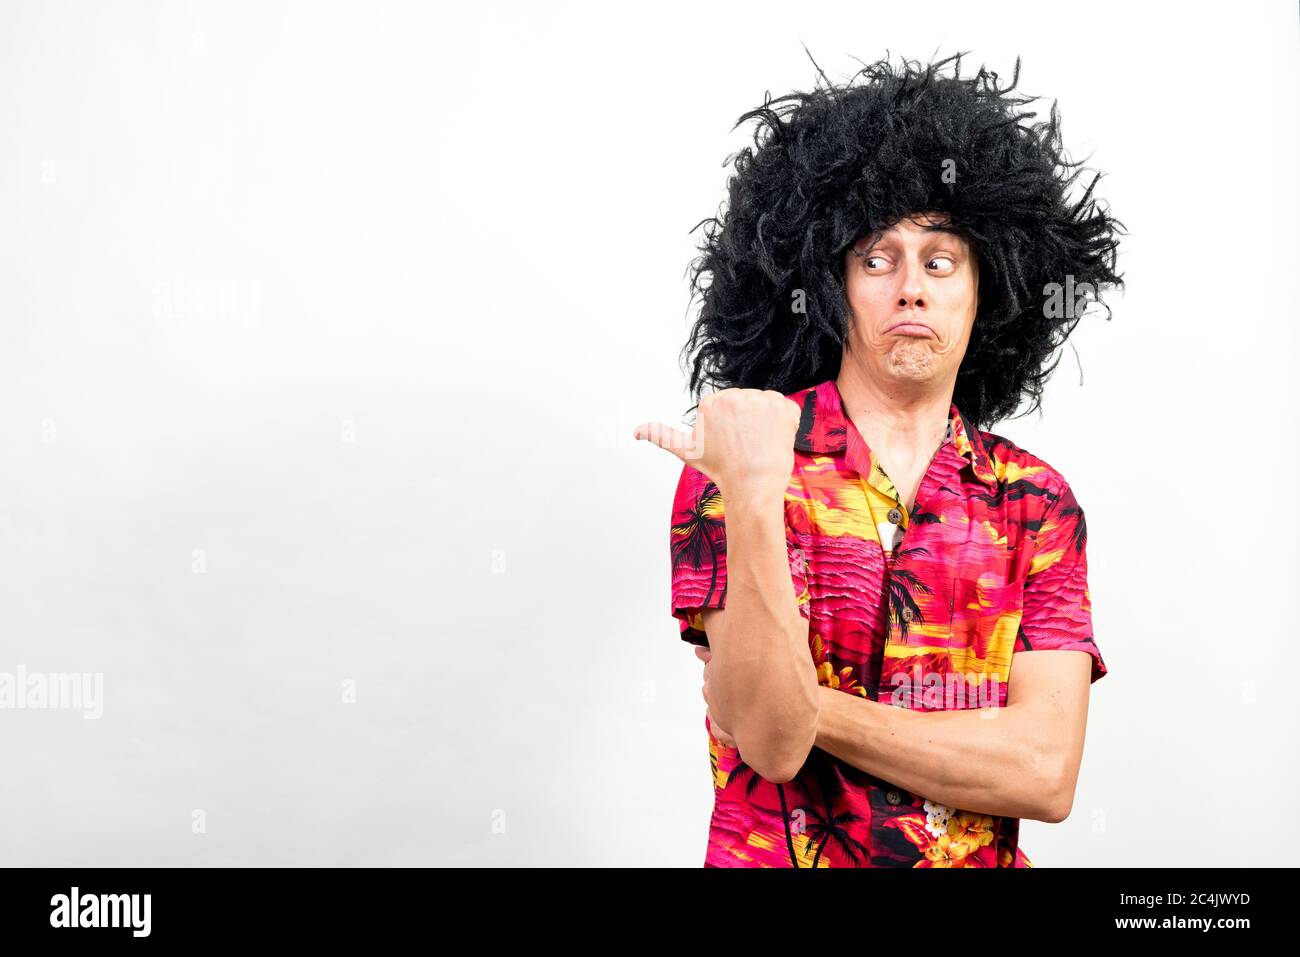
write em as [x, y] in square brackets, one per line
[824, 429]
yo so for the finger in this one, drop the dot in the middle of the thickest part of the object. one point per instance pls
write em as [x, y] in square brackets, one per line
[679, 443]
[721, 735]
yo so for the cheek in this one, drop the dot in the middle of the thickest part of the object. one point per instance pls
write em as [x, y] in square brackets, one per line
[959, 307]
[866, 297]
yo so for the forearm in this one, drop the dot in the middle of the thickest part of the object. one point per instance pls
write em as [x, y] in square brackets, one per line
[988, 760]
[763, 688]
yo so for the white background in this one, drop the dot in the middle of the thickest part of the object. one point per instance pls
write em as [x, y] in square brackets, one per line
[325, 331]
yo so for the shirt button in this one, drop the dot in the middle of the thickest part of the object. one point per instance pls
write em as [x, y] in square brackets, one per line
[895, 516]
[907, 614]
[893, 797]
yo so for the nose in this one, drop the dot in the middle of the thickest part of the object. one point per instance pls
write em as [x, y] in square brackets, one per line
[910, 292]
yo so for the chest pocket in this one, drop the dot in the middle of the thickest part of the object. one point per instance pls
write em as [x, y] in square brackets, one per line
[982, 626]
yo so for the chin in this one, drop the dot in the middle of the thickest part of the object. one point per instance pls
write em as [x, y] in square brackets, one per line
[913, 361]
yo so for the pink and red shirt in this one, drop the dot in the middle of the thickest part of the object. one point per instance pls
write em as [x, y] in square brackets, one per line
[923, 608]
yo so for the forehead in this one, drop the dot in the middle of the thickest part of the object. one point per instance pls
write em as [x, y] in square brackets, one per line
[921, 227]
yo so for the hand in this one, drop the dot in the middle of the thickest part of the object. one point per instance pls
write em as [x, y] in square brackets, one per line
[743, 440]
[705, 655]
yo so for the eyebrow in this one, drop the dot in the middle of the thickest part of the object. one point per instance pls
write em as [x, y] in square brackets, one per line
[873, 239]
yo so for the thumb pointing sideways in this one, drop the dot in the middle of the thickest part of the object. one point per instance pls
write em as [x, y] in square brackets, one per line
[679, 443]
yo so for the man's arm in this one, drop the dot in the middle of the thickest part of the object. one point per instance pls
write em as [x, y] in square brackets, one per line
[763, 686]
[1021, 760]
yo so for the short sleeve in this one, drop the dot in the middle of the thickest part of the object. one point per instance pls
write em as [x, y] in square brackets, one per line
[698, 547]
[1057, 606]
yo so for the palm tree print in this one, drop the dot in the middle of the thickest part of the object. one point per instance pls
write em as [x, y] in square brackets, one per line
[699, 534]
[1080, 536]
[827, 825]
[743, 771]
[901, 583]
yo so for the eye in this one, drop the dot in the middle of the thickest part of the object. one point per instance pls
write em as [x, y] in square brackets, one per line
[944, 259]
[868, 260]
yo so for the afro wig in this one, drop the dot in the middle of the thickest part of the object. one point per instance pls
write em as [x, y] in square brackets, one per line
[842, 162]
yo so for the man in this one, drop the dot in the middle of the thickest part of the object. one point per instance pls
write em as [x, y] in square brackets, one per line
[887, 282]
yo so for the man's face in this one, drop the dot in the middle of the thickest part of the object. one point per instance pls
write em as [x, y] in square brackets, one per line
[913, 292]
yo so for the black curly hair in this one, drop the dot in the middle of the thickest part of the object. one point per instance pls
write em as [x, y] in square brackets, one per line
[841, 162]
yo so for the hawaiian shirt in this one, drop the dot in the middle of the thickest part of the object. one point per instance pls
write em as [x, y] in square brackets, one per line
[922, 608]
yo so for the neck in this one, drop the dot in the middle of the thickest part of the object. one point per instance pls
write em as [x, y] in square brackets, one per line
[911, 421]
